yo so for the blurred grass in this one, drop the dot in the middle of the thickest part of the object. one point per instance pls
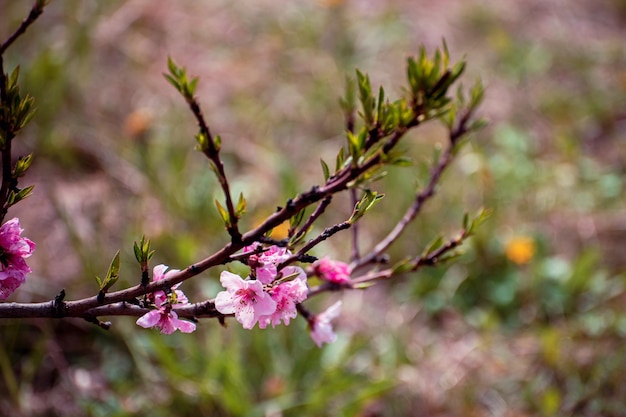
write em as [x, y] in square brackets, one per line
[539, 334]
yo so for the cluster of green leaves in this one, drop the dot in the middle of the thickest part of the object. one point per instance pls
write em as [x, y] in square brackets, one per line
[385, 122]
[15, 113]
[366, 203]
[143, 254]
[179, 79]
[16, 110]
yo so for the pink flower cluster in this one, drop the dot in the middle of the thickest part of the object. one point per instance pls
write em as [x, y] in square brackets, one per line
[164, 318]
[271, 298]
[13, 250]
[333, 271]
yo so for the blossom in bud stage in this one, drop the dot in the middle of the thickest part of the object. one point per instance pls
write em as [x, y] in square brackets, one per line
[163, 318]
[265, 262]
[13, 250]
[245, 298]
[320, 326]
[286, 295]
[333, 271]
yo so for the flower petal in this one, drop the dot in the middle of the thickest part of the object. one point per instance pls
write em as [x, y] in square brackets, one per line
[150, 319]
[224, 302]
[232, 282]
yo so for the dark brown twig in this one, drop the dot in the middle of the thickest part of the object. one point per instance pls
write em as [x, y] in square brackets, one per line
[35, 12]
[212, 152]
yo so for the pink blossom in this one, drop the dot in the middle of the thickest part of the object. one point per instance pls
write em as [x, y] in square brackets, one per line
[265, 263]
[163, 318]
[333, 271]
[13, 250]
[158, 273]
[320, 327]
[166, 321]
[245, 298]
[286, 295]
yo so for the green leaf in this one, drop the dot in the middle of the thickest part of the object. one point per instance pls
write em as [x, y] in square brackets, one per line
[340, 159]
[142, 250]
[402, 161]
[16, 197]
[114, 268]
[325, 169]
[137, 252]
[465, 220]
[217, 143]
[214, 168]
[449, 257]
[363, 285]
[369, 200]
[366, 98]
[173, 81]
[15, 75]
[354, 146]
[446, 54]
[192, 85]
[296, 219]
[203, 142]
[22, 164]
[477, 93]
[171, 65]
[112, 274]
[223, 213]
[477, 125]
[381, 105]
[241, 206]
[432, 246]
[348, 103]
[480, 218]
[403, 266]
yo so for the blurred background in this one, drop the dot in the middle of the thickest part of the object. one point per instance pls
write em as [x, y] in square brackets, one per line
[529, 322]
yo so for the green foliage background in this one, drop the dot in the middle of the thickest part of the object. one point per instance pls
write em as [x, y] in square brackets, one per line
[113, 160]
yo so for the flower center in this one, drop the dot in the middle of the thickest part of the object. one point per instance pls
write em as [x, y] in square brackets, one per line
[246, 296]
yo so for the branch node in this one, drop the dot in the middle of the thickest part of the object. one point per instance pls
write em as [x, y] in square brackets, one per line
[106, 325]
[58, 305]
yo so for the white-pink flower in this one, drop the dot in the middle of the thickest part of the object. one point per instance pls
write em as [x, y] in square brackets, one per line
[286, 295]
[163, 318]
[333, 271]
[320, 327]
[265, 263]
[245, 298]
[13, 250]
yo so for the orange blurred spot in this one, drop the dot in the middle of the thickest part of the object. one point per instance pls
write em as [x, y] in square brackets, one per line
[520, 250]
[330, 3]
[138, 123]
[281, 231]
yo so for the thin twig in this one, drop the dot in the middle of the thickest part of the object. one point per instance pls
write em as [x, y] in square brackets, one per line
[213, 154]
[410, 213]
[319, 210]
[328, 232]
[355, 230]
[427, 193]
[35, 12]
[429, 259]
